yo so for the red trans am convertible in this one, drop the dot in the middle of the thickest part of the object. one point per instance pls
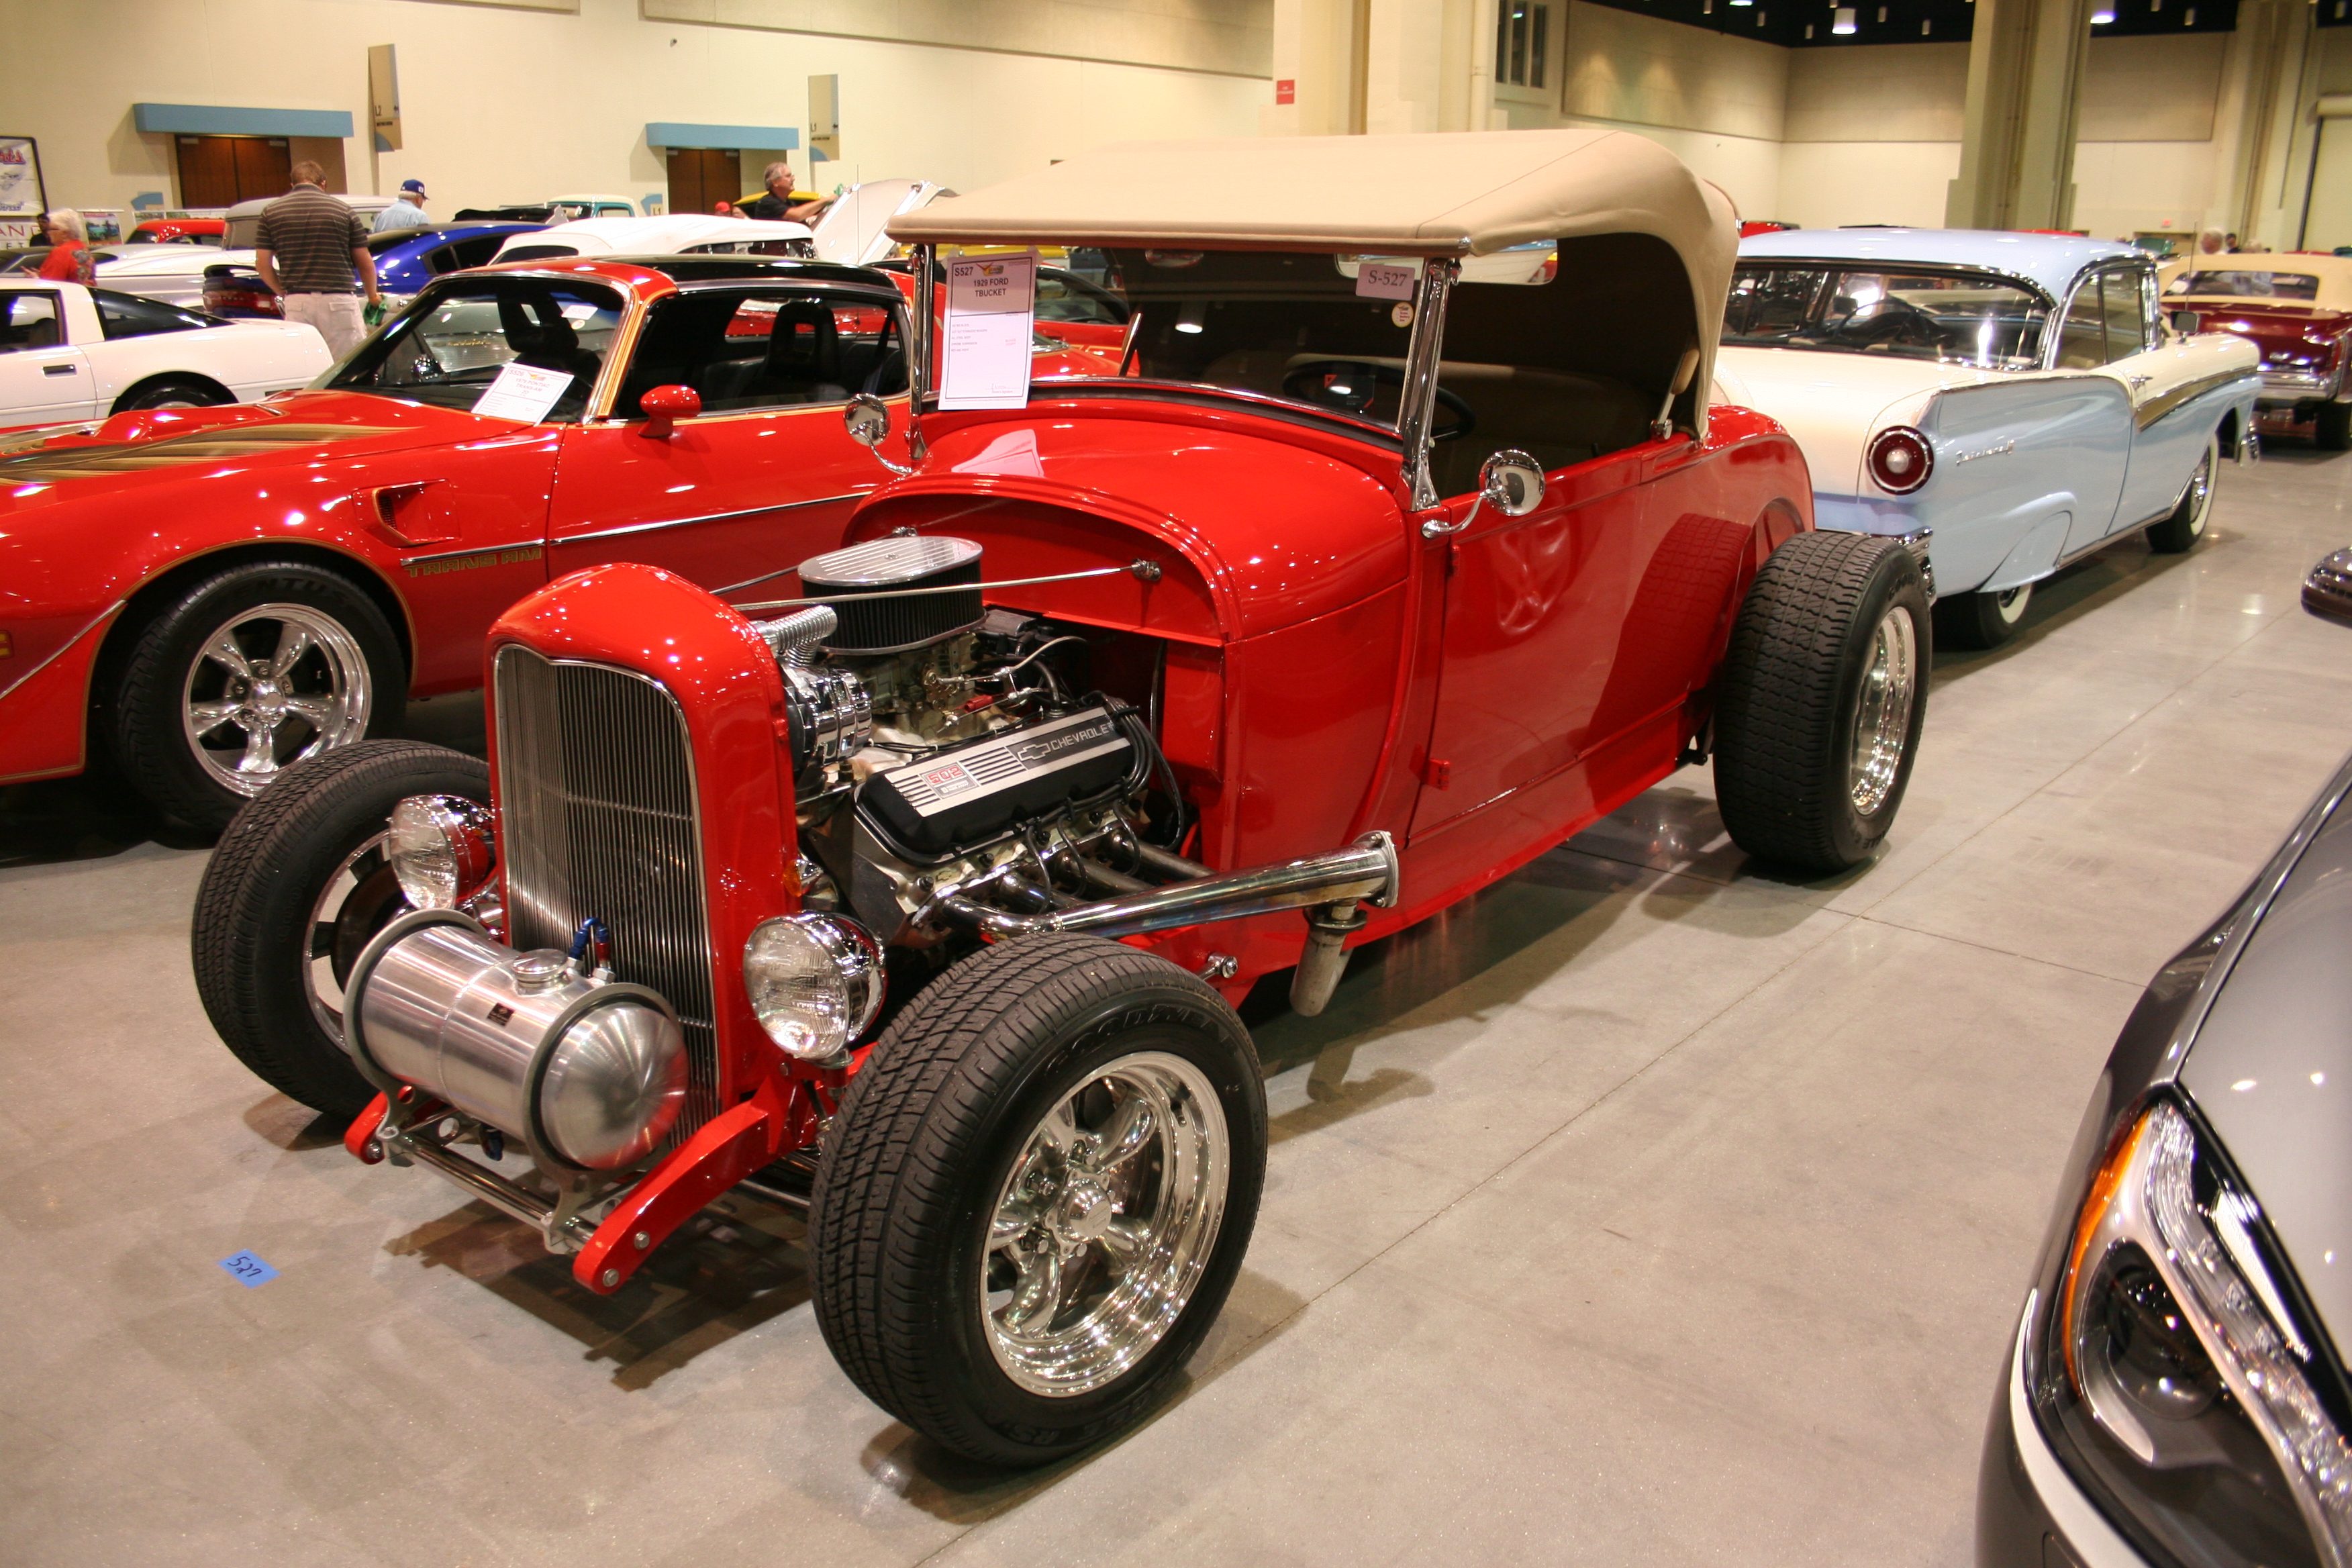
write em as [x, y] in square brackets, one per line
[211, 595]
[916, 894]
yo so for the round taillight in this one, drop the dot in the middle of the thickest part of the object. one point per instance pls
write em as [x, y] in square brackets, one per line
[1900, 459]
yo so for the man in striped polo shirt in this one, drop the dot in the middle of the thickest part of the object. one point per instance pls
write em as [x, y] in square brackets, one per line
[309, 247]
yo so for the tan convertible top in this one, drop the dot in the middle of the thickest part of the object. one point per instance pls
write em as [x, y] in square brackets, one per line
[1444, 193]
[1455, 193]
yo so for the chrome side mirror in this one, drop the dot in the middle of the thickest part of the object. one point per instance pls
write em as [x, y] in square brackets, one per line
[867, 419]
[2327, 592]
[1510, 482]
[2186, 322]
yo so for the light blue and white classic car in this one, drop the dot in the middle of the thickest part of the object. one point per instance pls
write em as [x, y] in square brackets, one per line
[2018, 397]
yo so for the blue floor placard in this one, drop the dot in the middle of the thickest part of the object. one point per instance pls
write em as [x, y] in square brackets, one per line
[249, 1270]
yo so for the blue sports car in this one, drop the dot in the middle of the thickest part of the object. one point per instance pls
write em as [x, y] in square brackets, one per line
[2018, 397]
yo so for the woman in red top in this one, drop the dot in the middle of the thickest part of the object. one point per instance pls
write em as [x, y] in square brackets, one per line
[68, 260]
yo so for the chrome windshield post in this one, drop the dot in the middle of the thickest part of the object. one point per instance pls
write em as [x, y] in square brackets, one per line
[920, 347]
[1420, 393]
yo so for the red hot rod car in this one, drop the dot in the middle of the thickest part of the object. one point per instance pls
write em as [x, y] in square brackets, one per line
[1365, 585]
[214, 593]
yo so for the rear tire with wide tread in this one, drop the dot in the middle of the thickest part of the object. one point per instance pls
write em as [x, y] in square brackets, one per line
[146, 722]
[1790, 699]
[924, 1139]
[252, 939]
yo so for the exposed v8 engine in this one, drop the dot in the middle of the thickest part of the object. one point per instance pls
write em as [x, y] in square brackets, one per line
[938, 746]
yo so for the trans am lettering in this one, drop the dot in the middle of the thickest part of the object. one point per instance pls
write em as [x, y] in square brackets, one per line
[438, 564]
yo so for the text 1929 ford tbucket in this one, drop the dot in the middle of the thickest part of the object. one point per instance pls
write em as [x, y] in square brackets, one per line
[1366, 583]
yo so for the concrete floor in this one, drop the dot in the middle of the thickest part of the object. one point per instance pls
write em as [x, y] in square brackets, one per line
[1647, 1209]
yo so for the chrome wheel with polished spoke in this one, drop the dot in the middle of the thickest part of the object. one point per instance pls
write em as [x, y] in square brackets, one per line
[271, 686]
[360, 898]
[1036, 1194]
[1104, 1224]
[220, 683]
[1882, 727]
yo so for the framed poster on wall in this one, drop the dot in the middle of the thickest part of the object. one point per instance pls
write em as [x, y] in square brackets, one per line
[22, 199]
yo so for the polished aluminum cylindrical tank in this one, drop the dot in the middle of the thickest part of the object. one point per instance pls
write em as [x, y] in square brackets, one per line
[591, 1076]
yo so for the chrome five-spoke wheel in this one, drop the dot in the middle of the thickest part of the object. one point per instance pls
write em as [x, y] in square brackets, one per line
[1036, 1194]
[1104, 1224]
[270, 686]
[1882, 729]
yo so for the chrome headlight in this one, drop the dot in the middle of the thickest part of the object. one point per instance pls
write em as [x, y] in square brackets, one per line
[441, 848]
[814, 980]
[2182, 1389]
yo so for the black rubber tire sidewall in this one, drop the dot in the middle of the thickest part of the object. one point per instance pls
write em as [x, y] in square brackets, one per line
[2172, 535]
[143, 721]
[946, 1382]
[2331, 429]
[1972, 621]
[249, 941]
[198, 396]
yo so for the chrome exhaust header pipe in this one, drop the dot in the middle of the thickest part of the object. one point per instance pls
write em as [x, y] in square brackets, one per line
[1365, 871]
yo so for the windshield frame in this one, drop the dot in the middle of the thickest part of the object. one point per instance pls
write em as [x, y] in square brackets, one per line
[1958, 271]
[852, 295]
[600, 391]
[1408, 438]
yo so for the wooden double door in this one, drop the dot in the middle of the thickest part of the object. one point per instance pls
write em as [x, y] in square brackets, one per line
[702, 177]
[222, 171]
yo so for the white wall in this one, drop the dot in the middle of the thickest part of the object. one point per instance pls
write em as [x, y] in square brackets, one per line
[1826, 184]
[502, 104]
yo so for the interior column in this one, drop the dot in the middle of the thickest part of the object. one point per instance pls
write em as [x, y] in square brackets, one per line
[2017, 150]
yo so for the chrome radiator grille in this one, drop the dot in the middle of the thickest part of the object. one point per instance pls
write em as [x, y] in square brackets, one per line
[597, 817]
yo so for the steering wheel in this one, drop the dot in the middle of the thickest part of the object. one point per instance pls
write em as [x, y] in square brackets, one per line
[1894, 321]
[1349, 384]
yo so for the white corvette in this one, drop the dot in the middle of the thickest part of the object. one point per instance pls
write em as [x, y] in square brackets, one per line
[71, 352]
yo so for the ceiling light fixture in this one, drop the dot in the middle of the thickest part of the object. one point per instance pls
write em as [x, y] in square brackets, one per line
[2102, 12]
[1844, 23]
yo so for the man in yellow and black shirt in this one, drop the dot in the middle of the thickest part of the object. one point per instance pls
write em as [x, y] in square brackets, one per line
[309, 247]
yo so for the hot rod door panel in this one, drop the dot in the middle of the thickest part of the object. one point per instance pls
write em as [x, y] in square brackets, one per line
[1568, 628]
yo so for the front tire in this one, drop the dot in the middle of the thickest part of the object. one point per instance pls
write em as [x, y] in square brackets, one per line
[1982, 620]
[297, 888]
[1823, 694]
[2186, 525]
[247, 672]
[1036, 1194]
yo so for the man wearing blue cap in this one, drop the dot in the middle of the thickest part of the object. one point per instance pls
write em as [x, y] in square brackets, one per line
[407, 212]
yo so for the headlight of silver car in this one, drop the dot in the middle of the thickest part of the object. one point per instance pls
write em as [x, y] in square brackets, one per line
[814, 980]
[440, 848]
[2175, 1375]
